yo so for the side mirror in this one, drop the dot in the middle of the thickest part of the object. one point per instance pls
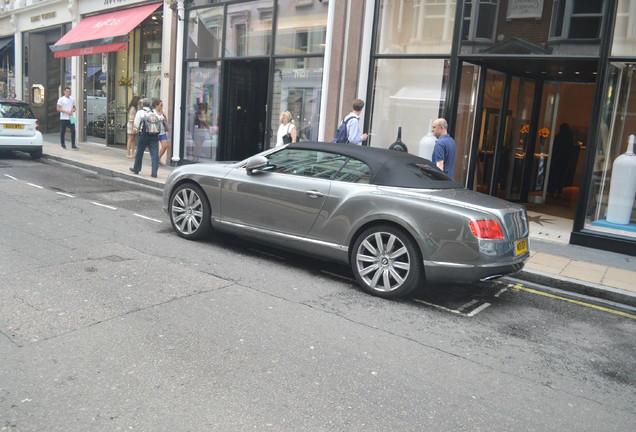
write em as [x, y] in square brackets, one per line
[255, 163]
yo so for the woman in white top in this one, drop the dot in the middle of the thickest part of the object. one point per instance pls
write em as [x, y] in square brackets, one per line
[286, 128]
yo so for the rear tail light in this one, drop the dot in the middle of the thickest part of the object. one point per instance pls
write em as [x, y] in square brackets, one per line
[37, 125]
[486, 229]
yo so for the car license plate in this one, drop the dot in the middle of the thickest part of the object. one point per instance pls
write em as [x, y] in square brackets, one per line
[521, 247]
[14, 126]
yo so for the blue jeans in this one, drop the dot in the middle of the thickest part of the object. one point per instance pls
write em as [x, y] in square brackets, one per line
[152, 142]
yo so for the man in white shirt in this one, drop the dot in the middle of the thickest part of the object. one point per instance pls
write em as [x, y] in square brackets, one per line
[353, 125]
[66, 108]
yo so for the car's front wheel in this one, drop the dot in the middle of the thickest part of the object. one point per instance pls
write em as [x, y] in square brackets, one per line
[190, 212]
[386, 262]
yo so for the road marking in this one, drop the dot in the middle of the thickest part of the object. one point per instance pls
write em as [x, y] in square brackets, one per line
[146, 217]
[439, 307]
[501, 291]
[520, 287]
[11, 177]
[65, 194]
[103, 205]
[34, 185]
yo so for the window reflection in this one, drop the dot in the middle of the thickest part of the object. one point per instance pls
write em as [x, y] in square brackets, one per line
[302, 27]
[201, 136]
[249, 29]
[205, 32]
[298, 90]
[416, 27]
[407, 93]
[625, 29]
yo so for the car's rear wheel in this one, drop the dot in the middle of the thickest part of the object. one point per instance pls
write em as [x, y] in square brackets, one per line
[386, 262]
[36, 154]
[190, 212]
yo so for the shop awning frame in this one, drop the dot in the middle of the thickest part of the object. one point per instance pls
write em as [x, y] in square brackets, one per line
[102, 33]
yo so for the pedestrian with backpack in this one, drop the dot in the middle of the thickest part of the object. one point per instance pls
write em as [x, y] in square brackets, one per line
[148, 125]
[349, 129]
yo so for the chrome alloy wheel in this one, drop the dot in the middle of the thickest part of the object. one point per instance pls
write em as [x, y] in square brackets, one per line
[383, 261]
[186, 211]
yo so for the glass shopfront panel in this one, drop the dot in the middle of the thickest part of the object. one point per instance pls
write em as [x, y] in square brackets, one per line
[416, 27]
[202, 111]
[297, 91]
[7, 67]
[205, 33]
[302, 27]
[624, 44]
[611, 201]
[249, 29]
[407, 93]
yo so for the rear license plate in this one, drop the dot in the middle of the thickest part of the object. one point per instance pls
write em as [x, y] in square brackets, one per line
[14, 126]
[521, 247]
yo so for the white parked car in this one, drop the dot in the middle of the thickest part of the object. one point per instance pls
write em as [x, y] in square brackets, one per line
[19, 129]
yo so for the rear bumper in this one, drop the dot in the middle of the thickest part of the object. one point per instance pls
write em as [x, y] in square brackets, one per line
[452, 272]
[27, 143]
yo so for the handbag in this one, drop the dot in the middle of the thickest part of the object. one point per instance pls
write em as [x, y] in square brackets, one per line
[287, 138]
[72, 120]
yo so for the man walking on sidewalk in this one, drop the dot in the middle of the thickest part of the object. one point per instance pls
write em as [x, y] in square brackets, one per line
[66, 107]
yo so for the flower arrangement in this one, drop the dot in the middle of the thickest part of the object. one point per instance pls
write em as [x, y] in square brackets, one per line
[124, 81]
[544, 132]
[525, 129]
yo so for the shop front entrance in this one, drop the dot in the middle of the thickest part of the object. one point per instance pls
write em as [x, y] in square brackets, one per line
[243, 121]
[529, 140]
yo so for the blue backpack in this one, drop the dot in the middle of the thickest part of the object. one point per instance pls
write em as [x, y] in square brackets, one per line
[342, 135]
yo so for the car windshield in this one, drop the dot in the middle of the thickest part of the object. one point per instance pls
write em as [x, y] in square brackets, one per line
[15, 110]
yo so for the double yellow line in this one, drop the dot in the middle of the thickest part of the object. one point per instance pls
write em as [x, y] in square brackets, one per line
[519, 287]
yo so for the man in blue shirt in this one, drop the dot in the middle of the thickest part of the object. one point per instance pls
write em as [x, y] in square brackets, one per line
[444, 150]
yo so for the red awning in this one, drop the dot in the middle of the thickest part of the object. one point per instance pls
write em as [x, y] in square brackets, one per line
[102, 33]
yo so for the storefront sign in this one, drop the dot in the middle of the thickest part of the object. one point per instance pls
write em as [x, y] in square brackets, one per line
[525, 9]
[44, 16]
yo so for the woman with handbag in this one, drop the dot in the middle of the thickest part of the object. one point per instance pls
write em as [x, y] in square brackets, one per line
[286, 131]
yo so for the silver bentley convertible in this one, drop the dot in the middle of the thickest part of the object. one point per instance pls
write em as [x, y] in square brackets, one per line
[393, 217]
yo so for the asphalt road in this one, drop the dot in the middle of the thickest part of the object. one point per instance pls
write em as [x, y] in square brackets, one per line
[109, 321]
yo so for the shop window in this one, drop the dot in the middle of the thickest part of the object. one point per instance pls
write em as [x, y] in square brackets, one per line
[249, 29]
[416, 26]
[611, 200]
[407, 93]
[299, 92]
[202, 107]
[577, 19]
[205, 33]
[624, 43]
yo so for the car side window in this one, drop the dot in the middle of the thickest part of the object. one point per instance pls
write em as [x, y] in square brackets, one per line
[354, 171]
[307, 163]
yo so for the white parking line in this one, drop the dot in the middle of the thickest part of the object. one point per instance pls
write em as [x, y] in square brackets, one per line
[103, 205]
[11, 177]
[65, 194]
[146, 217]
[37, 186]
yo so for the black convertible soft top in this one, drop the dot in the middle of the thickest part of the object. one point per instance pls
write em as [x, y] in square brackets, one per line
[388, 167]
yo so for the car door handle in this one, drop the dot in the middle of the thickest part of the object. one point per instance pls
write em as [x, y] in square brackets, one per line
[314, 194]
